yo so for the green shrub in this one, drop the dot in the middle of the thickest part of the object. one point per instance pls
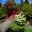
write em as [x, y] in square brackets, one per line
[20, 20]
[12, 27]
[18, 24]
[2, 13]
[27, 9]
[27, 29]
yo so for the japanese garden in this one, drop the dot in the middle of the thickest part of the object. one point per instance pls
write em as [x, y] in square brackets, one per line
[14, 17]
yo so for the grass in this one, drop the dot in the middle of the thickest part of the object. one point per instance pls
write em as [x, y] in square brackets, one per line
[15, 27]
[28, 29]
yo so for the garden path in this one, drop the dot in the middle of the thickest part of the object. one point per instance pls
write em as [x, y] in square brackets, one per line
[6, 23]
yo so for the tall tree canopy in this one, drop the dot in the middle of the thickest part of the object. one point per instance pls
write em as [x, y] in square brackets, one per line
[24, 2]
[12, 1]
[27, 9]
[0, 4]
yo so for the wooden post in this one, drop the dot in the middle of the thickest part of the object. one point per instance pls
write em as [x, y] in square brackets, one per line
[13, 13]
[6, 14]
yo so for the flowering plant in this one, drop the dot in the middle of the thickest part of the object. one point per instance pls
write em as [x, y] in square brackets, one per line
[20, 20]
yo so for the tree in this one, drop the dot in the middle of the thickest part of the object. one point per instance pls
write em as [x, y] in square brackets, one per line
[27, 9]
[2, 13]
[22, 2]
[0, 4]
[9, 0]
[26, 2]
[13, 3]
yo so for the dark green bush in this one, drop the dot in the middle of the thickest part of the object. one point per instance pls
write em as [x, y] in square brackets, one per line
[27, 9]
[2, 13]
[15, 28]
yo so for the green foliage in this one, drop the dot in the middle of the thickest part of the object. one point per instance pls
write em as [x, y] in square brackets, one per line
[20, 20]
[12, 27]
[17, 7]
[27, 9]
[18, 24]
[26, 1]
[2, 13]
[27, 29]
[22, 2]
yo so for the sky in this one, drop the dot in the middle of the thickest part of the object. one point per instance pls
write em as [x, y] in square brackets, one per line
[17, 1]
